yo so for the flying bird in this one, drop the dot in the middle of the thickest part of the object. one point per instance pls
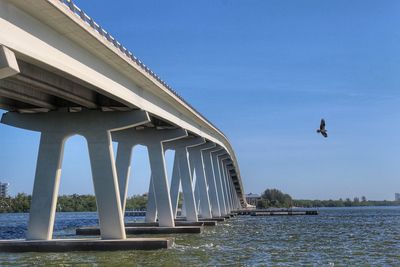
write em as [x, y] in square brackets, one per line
[322, 129]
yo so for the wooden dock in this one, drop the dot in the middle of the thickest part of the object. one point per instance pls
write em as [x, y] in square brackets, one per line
[276, 212]
[135, 213]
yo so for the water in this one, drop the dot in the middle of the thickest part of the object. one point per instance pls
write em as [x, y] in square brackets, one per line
[368, 236]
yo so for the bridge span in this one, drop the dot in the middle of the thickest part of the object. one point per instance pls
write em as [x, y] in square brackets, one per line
[62, 74]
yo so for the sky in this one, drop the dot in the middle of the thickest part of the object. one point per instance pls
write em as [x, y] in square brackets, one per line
[264, 72]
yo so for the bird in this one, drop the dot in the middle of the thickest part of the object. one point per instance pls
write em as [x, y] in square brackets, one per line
[322, 129]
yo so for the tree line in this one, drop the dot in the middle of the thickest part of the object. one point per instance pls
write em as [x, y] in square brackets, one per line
[70, 203]
[271, 198]
[274, 198]
[66, 203]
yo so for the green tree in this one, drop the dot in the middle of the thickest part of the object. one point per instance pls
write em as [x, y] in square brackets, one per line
[136, 202]
[276, 198]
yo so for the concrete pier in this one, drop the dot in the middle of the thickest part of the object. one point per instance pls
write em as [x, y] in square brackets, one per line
[280, 213]
[215, 219]
[151, 230]
[177, 223]
[64, 245]
[182, 175]
[275, 212]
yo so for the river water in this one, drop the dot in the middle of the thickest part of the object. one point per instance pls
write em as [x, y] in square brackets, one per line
[367, 236]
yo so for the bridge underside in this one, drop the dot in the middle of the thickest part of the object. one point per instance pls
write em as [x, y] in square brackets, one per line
[37, 89]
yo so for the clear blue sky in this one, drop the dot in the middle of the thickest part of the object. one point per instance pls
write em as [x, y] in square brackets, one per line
[264, 72]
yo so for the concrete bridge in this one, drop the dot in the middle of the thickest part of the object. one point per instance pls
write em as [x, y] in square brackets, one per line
[62, 74]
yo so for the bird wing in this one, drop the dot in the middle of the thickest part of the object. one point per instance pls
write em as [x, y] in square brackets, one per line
[322, 125]
[325, 134]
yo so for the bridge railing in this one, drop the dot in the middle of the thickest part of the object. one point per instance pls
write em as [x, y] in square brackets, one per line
[88, 20]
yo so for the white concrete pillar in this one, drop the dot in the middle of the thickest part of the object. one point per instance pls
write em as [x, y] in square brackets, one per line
[55, 127]
[187, 186]
[106, 189]
[228, 184]
[175, 184]
[160, 184]
[227, 187]
[46, 184]
[123, 165]
[196, 158]
[212, 186]
[183, 211]
[233, 193]
[159, 199]
[217, 174]
[235, 196]
[194, 185]
[232, 172]
[181, 158]
[224, 183]
[151, 207]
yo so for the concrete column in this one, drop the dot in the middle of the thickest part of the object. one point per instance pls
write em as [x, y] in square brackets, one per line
[181, 157]
[212, 186]
[238, 201]
[227, 188]
[233, 194]
[232, 172]
[187, 187]
[55, 128]
[224, 183]
[183, 212]
[123, 165]
[229, 185]
[160, 184]
[159, 199]
[45, 189]
[235, 197]
[175, 184]
[151, 208]
[218, 181]
[196, 159]
[194, 185]
[108, 200]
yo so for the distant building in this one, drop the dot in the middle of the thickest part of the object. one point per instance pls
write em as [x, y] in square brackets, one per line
[397, 196]
[4, 189]
[252, 198]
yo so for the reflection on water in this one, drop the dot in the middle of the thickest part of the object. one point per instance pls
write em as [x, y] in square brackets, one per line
[338, 236]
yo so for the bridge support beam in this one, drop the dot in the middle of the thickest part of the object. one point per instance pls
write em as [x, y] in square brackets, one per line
[159, 200]
[212, 186]
[233, 194]
[182, 175]
[55, 128]
[218, 180]
[224, 181]
[229, 183]
[8, 63]
[196, 160]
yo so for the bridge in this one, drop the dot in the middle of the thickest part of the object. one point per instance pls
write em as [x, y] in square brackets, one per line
[62, 74]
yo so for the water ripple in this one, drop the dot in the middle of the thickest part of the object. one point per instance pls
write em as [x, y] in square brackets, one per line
[336, 237]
